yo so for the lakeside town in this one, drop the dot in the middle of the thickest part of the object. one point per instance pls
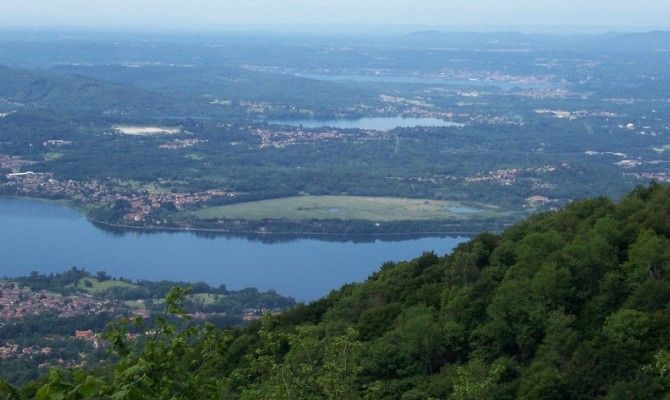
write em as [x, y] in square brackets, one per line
[87, 310]
[17, 301]
[138, 203]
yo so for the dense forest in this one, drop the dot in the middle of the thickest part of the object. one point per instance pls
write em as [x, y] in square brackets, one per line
[572, 304]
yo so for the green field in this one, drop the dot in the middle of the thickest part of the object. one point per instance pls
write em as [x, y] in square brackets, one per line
[348, 208]
[95, 286]
[205, 298]
[134, 303]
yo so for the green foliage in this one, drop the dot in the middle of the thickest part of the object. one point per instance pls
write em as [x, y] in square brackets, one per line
[7, 391]
[479, 380]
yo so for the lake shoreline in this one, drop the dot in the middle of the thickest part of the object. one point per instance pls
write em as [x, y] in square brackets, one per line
[304, 268]
[159, 229]
[336, 229]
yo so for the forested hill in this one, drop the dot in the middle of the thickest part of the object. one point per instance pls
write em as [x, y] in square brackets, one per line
[573, 304]
[78, 93]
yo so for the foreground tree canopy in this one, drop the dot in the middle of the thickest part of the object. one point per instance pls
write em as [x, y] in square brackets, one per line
[569, 304]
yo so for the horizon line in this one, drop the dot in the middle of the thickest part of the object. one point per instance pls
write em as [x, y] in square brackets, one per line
[336, 28]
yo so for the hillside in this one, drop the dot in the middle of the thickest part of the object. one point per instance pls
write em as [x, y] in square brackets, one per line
[227, 83]
[40, 88]
[163, 91]
[568, 304]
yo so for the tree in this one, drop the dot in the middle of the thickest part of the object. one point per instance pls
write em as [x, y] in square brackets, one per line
[649, 258]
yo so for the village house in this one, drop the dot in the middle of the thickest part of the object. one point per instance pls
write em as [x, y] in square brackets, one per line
[537, 200]
[86, 335]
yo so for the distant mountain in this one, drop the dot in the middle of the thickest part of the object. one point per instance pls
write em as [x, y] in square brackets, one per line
[230, 83]
[612, 41]
[573, 304]
[477, 39]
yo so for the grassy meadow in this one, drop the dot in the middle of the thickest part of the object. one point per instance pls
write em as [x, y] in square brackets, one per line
[347, 208]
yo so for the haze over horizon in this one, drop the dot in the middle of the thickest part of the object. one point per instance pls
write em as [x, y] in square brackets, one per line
[550, 15]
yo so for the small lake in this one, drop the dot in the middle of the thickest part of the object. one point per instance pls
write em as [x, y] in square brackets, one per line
[47, 237]
[376, 123]
[463, 210]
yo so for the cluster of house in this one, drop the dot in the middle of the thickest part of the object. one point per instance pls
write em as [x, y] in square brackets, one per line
[17, 302]
[628, 162]
[56, 142]
[505, 177]
[434, 179]
[89, 336]
[181, 143]
[576, 114]
[508, 177]
[283, 138]
[9, 350]
[13, 163]
[36, 184]
[537, 200]
[39, 184]
[144, 202]
[14, 351]
[651, 176]
[254, 314]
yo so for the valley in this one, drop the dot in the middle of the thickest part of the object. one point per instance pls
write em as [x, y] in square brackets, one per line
[224, 214]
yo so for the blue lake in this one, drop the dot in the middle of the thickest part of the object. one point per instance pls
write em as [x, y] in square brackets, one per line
[47, 237]
[376, 123]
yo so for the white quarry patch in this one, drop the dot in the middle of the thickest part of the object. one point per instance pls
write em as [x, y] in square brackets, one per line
[135, 130]
[3, 115]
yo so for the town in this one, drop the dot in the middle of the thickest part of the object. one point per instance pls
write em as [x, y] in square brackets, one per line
[139, 203]
[17, 302]
[30, 319]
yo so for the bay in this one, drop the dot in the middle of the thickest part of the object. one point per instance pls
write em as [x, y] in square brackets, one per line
[47, 237]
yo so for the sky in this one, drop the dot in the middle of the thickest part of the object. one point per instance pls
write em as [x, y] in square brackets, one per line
[444, 14]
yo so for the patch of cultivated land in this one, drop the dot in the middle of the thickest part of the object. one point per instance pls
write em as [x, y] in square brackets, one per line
[95, 286]
[349, 208]
[205, 298]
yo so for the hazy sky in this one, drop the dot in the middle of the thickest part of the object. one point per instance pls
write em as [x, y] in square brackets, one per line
[207, 14]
